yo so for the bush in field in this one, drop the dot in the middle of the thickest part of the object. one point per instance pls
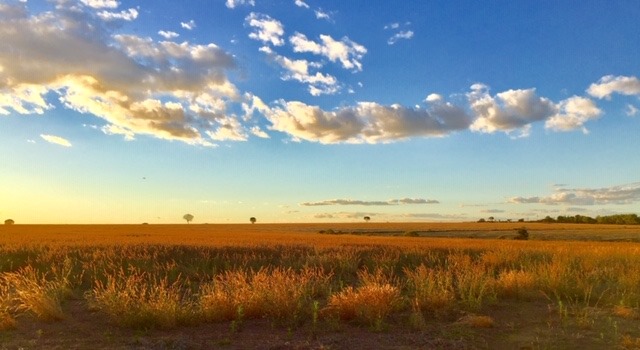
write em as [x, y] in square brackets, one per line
[523, 234]
[9, 222]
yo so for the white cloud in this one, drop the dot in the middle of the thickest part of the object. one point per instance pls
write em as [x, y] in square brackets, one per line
[346, 51]
[300, 70]
[403, 201]
[301, 3]
[229, 129]
[168, 34]
[57, 140]
[169, 90]
[125, 15]
[508, 111]
[623, 194]
[610, 84]
[255, 130]
[266, 29]
[392, 26]
[322, 15]
[99, 4]
[400, 35]
[433, 98]
[188, 25]
[234, 3]
[367, 122]
[572, 114]
[631, 110]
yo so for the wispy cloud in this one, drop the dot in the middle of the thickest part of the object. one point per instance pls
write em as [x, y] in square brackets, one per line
[300, 70]
[56, 140]
[623, 194]
[631, 110]
[301, 3]
[320, 14]
[188, 25]
[370, 203]
[168, 34]
[125, 15]
[399, 36]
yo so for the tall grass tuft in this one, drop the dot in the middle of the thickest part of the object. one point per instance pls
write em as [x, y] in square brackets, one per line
[370, 303]
[279, 293]
[431, 289]
[140, 300]
[28, 290]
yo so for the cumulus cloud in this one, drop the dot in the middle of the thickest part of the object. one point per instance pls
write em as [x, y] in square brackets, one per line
[572, 114]
[169, 90]
[370, 203]
[266, 29]
[623, 194]
[234, 3]
[57, 140]
[188, 25]
[168, 34]
[610, 84]
[367, 122]
[399, 36]
[508, 111]
[347, 52]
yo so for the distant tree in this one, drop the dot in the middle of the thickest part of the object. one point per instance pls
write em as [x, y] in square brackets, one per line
[523, 234]
[520, 220]
[482, 220]
[253, 220]
[188, 217]
[9, 222]
[366, 218]
[491, 218]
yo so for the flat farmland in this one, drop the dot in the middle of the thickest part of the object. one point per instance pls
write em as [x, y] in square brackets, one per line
[320, 286]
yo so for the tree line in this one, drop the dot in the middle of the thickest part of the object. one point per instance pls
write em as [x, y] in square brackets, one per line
[618, 219]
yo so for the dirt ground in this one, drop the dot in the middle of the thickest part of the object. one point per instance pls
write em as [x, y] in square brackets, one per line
[515, 325]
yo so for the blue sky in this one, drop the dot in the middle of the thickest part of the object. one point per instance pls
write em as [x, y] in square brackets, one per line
[317, 111]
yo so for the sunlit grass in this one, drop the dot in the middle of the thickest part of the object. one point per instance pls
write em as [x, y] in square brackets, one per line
[142, 280]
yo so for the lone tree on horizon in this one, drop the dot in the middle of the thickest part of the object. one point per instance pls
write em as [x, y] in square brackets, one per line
[253, 220]
[366, 218]
[9, 222]
[188, 217]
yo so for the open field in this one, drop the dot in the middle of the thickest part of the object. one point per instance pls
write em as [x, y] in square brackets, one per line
[275, 286]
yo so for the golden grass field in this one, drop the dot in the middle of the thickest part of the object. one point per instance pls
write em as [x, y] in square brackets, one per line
[364, 285]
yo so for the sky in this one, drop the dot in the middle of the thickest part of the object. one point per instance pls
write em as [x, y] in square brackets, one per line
[118, 111]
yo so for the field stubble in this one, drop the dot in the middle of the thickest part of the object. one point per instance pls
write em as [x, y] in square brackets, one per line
[459, 292]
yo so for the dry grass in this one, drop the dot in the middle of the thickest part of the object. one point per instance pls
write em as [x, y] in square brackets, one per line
[167, 276]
